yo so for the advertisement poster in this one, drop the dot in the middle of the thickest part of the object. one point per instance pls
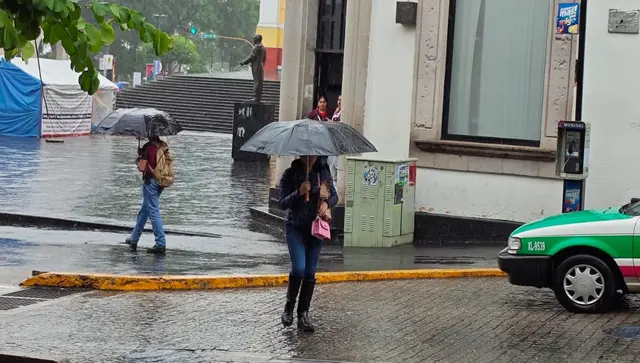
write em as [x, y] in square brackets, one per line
[568, 18]
[572, 196]
[402, 174]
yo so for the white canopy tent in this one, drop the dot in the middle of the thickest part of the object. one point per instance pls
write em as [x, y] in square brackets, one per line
[66, 109]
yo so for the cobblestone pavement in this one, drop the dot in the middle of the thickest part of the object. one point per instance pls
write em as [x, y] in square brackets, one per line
[441, 320]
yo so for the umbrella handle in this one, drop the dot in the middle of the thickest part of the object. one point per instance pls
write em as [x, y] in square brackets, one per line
[306, 195]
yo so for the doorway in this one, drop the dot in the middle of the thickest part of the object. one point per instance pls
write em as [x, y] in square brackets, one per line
[329, 50]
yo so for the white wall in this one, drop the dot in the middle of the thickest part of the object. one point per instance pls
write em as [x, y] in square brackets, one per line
[493, 196]
[268, 12]
[387, 121]
[611, 103]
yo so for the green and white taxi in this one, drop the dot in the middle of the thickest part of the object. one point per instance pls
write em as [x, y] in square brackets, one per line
[589, 258]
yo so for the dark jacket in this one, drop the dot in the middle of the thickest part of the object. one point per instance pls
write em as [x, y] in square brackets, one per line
[301, 214]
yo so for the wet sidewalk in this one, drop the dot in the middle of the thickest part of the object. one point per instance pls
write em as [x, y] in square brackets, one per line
[440, 320]
[23, 250]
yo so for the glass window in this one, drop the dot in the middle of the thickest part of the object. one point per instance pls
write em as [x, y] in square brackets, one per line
[498, 69]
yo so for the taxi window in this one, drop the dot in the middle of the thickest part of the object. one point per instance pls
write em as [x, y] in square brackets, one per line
[632, 209]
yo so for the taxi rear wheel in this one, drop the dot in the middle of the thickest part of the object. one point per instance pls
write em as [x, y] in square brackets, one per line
[585, 284]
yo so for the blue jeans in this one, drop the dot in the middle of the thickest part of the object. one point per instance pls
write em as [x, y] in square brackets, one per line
[150, 209]
[304, 251]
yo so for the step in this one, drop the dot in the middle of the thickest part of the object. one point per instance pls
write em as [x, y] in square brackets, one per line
[182, 107]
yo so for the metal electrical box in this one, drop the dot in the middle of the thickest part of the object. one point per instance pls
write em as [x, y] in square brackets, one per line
[380, 202]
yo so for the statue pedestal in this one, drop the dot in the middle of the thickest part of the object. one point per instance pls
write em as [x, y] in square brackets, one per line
[248, 118]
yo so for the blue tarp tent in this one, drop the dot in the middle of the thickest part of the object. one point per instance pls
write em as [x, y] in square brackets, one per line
[20, 102]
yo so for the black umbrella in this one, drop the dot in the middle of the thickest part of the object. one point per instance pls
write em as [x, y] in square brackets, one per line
[139, 122]
[308, 137]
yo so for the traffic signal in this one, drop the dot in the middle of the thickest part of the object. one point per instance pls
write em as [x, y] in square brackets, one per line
[194, 30]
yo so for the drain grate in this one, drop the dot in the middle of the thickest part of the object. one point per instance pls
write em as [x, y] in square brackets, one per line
[43, 293]
[8, 303]
[16, 299]
[627, 332]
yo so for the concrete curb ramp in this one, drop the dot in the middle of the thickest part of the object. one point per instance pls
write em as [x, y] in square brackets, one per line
[153, 283]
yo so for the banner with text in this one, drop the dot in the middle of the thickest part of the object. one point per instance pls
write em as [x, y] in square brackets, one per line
[66, 112]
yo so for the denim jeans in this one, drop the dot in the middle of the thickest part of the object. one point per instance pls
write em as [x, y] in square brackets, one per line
[150, 209]
[304, 251]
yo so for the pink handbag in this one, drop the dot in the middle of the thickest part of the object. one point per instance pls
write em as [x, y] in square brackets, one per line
[320, 228]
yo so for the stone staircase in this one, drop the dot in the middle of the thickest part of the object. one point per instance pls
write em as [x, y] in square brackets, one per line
[199, 103]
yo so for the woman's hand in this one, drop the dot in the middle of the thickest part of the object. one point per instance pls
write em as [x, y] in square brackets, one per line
[305, 187]
[322, 210]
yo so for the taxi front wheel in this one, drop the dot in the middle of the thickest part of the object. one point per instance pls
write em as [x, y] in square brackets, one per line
[585, 284]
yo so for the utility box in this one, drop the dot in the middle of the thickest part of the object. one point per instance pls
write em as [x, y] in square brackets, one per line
[380, 202]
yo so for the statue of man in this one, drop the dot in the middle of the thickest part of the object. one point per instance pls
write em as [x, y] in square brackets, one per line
[257, 58]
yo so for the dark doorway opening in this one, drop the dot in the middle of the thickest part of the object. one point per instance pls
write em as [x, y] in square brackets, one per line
[330, 50]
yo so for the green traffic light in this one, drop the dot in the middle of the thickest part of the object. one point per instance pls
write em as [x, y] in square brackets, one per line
[194, 30]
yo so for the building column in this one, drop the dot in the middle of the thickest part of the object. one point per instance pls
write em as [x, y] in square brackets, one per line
[271, 27]
[355, 70]
[298, 67]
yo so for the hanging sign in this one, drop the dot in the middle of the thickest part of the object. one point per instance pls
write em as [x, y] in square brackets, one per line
[568, 18]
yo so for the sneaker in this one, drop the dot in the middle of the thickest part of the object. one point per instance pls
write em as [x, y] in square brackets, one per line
[132, 246]
[157, 250]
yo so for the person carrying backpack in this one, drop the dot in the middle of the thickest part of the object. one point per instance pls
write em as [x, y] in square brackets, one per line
[155, 162]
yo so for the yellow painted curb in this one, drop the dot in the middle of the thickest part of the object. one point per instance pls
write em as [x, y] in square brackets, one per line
[150, 283]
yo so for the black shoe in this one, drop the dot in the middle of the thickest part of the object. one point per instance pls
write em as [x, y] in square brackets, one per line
[304, 323]
[132, 246]
[306, 293]
[292, 294]
[157, 250]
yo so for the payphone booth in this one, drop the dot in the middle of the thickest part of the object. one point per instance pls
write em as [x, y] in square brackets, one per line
[572, 162]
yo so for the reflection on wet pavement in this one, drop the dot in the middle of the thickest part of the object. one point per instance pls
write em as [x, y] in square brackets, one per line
[94, 178]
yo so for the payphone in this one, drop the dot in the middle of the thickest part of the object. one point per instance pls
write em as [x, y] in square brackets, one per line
[572, 162]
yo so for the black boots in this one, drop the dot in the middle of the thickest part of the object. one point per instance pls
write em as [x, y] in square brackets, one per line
[306, 293]
[305, 287]
[292, 293]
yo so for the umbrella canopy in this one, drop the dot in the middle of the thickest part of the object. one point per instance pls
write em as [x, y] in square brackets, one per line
[139, 122]
[308, 137]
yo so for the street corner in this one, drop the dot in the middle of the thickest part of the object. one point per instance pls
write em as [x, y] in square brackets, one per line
[421, 320]
[153, 283]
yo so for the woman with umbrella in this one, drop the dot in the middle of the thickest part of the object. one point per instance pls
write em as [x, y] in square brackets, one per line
[307, 191]
[306, 177]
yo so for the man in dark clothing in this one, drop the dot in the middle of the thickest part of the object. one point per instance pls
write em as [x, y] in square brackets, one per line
[257, 58]
[151, 191]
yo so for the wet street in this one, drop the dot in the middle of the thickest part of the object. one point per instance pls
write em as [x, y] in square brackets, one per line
[93, 178]
[439, 320]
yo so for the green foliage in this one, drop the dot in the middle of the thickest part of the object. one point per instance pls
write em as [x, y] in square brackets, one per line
[61, 21]
[234, 18]
[184, 52]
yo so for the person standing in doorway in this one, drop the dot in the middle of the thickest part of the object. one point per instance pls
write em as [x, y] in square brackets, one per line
[306, 175]
[321, 112]
[151, 190]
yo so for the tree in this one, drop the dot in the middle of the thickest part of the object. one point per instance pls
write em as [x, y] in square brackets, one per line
[235, 18]
[22, 21]
[184, 52]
